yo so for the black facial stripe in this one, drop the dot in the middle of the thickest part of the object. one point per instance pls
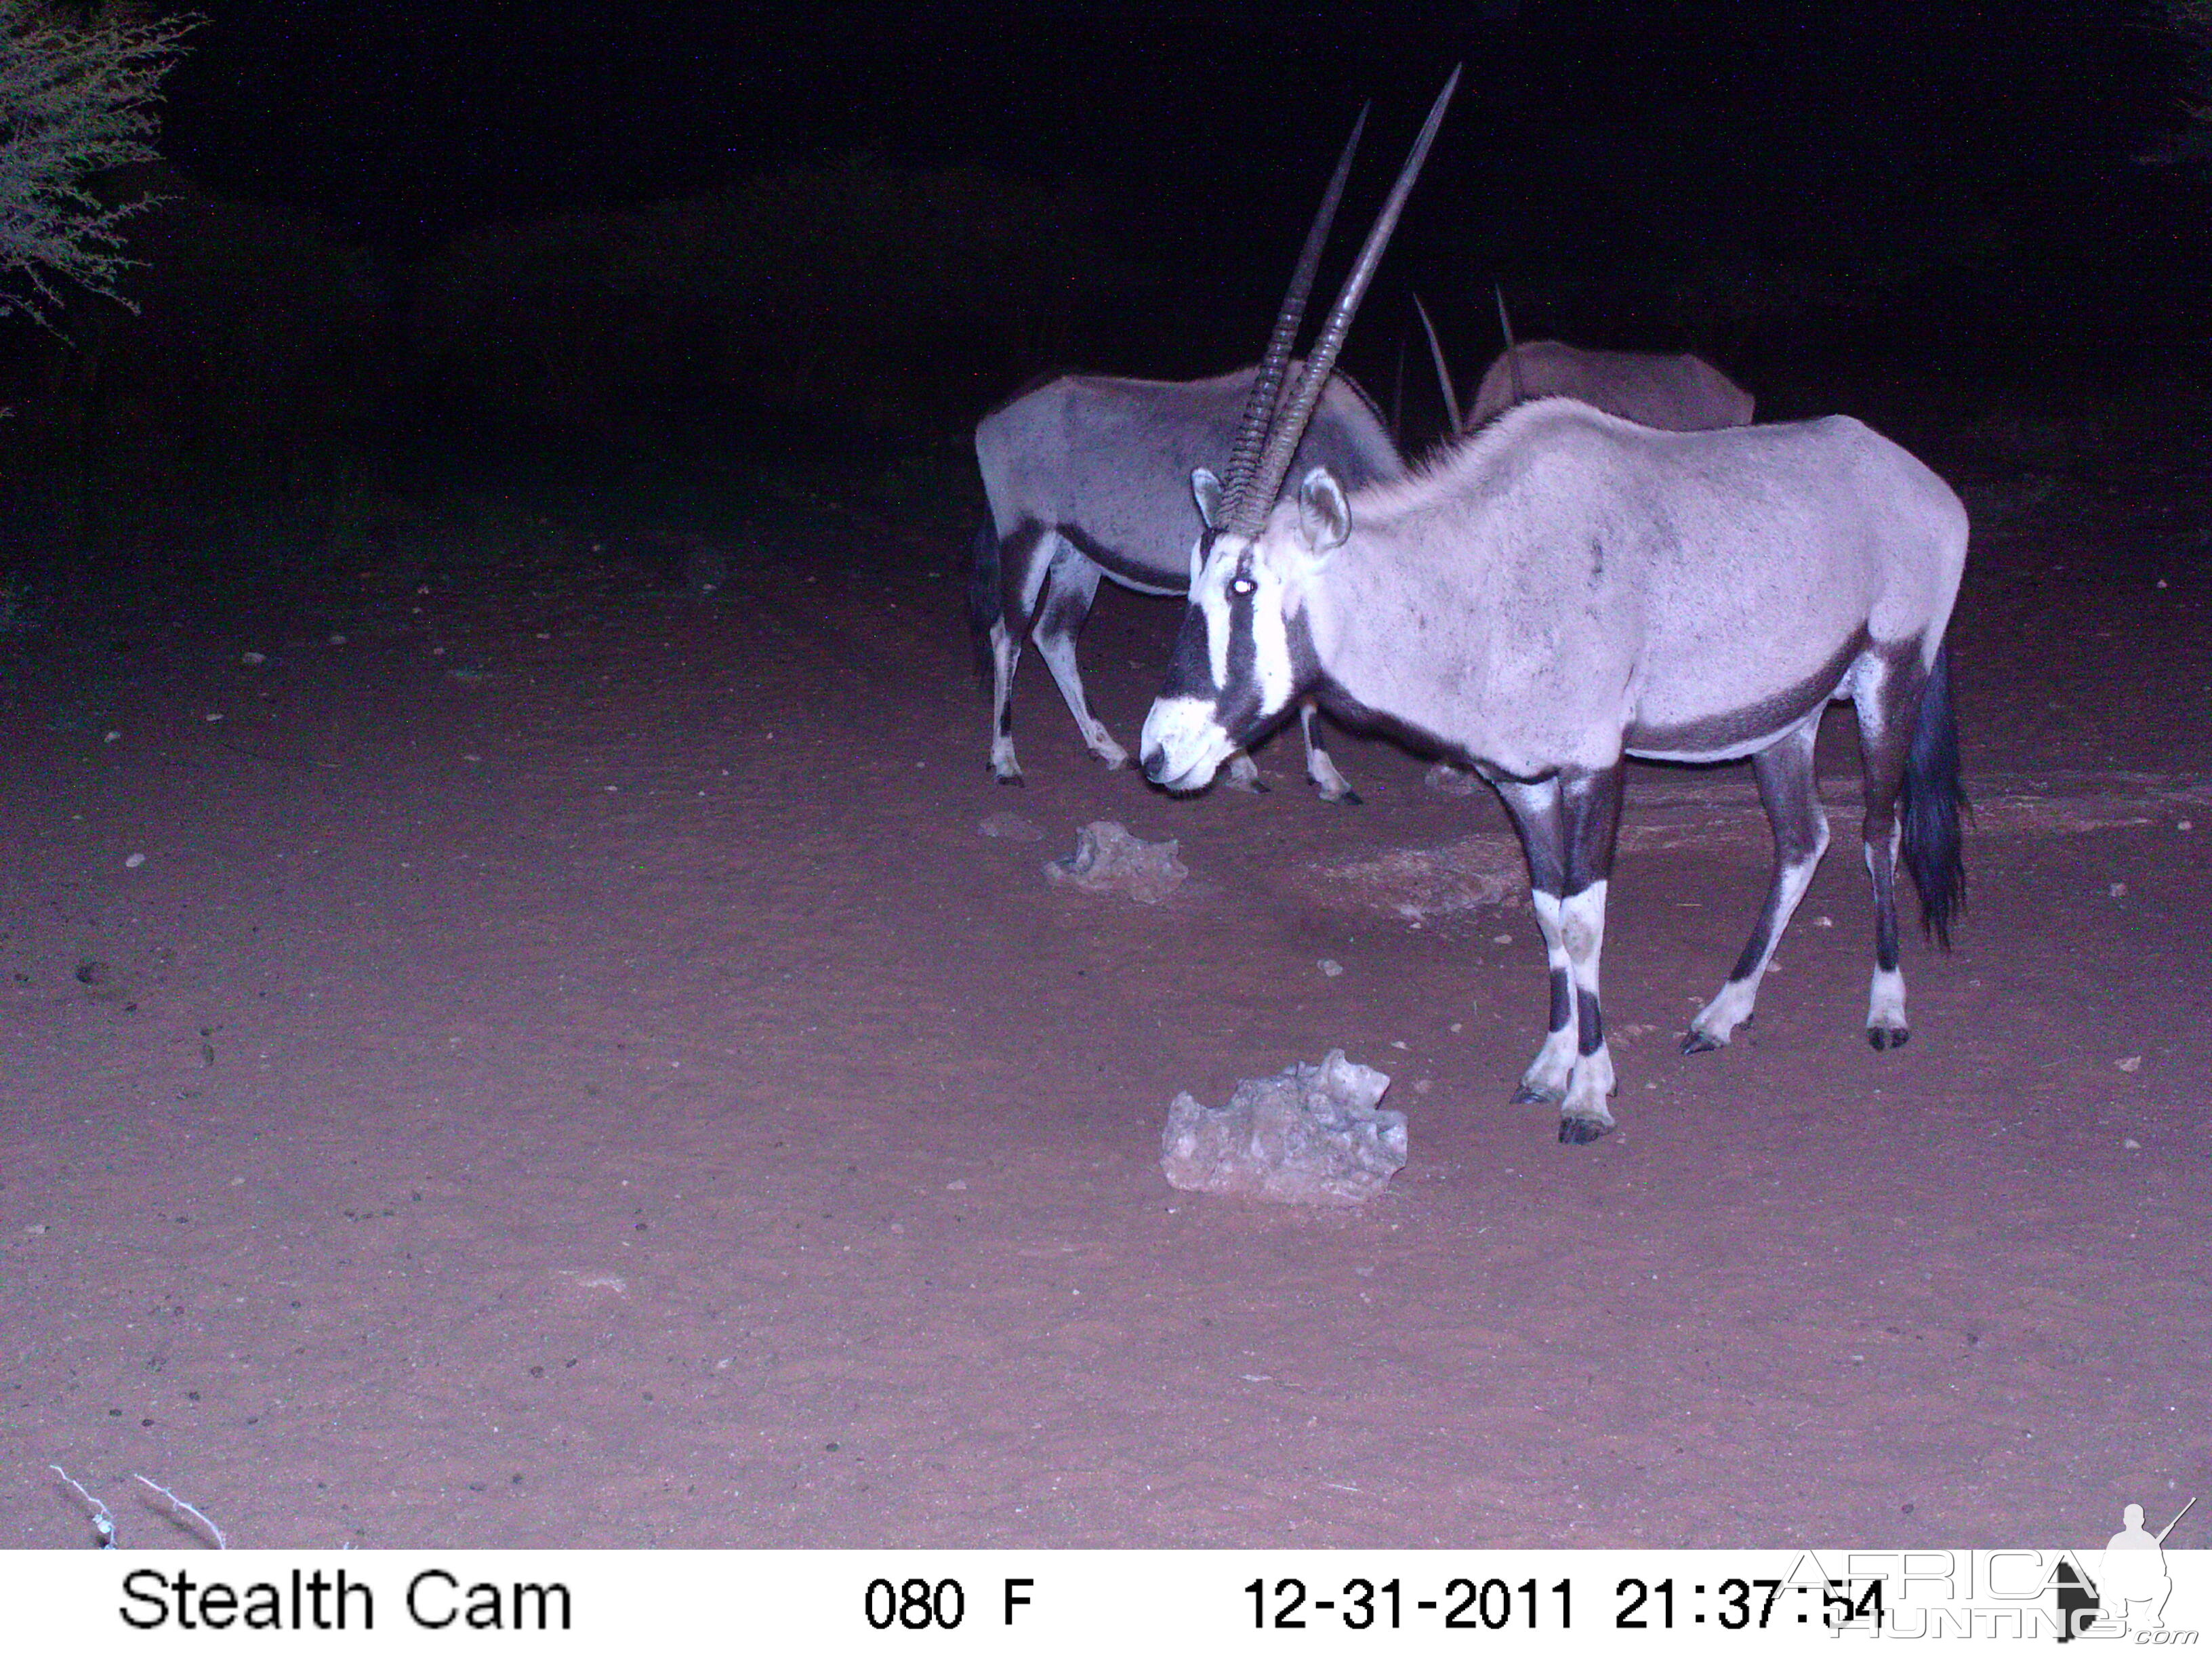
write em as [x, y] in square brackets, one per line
[1190, 665]
[1241, 710]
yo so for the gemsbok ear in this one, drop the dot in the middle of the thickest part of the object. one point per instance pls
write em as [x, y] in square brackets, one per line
[1205, 490]
[1324, 516]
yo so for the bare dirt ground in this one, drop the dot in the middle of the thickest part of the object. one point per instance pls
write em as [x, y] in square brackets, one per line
[568, 1071]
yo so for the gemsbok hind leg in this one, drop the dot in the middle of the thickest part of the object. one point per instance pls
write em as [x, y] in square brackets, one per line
[1568, 829]
[1887, 697]
[1023, 564]
[1791, 793]
[1071, 584]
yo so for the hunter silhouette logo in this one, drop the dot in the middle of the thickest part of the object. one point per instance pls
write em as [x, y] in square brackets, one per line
[2131, 1586]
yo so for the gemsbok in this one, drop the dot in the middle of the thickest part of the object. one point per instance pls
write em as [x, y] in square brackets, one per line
[1564, 589]
[1085, 475]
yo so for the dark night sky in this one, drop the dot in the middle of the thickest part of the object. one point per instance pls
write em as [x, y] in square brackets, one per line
[1591, 136]
[407, 119]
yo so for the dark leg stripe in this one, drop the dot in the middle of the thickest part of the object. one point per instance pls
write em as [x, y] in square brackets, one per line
[1885, 907]
[1592, 1038]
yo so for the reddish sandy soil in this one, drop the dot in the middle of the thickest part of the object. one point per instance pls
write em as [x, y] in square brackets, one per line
[568, 1071]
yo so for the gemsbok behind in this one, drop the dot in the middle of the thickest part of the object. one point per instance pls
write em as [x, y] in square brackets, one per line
[1675, 392]
[1084, 478]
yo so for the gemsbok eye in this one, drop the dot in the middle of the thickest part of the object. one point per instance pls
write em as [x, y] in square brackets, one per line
[1243, 587]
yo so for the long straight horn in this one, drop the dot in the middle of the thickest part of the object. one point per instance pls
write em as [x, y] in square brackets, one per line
[1443, 373]
[1266, 394]
[1284, 434]
[1512, 351]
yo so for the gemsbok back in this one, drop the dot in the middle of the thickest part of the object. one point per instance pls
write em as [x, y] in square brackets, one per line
[1564, 589]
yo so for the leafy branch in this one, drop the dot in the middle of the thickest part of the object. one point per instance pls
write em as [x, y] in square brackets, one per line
[76, 100]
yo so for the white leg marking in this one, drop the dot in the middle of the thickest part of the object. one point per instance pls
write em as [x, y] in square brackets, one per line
[1320, 768]
[1550, 1073]
[1886, 1022]
[1059, 654]
[1242, 772]
[1581, 927]
[1006, 652]
[1717, 1020]
[1886, 1002]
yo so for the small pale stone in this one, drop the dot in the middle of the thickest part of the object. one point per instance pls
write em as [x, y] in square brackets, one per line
[134, 860]
[1824, 921]
[1330, 967]
[338, 639]
[1501, 938]
[2185, 825]
[2118, 890]
[2132, 1144]
[2132, 1063]
[252, 659]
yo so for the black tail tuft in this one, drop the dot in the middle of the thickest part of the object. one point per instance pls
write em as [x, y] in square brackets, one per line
[1934, 801]
[986, 600]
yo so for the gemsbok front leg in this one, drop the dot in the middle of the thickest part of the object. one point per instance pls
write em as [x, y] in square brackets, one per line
[1791, 793]
[1569, 826]
[1320, 770]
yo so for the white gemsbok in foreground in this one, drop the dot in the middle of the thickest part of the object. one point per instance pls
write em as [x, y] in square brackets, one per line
[1085, 477]
[1564, 589]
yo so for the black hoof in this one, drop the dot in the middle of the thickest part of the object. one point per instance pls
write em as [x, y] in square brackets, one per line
[1581, 1131]
[1017, 781]
[1525, 1096]
[1697, 1043]
[1881, 1037]
[1349, 797]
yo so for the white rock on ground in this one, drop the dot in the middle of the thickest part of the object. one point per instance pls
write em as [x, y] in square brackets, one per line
[1108, 859]
[1311, 1134]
